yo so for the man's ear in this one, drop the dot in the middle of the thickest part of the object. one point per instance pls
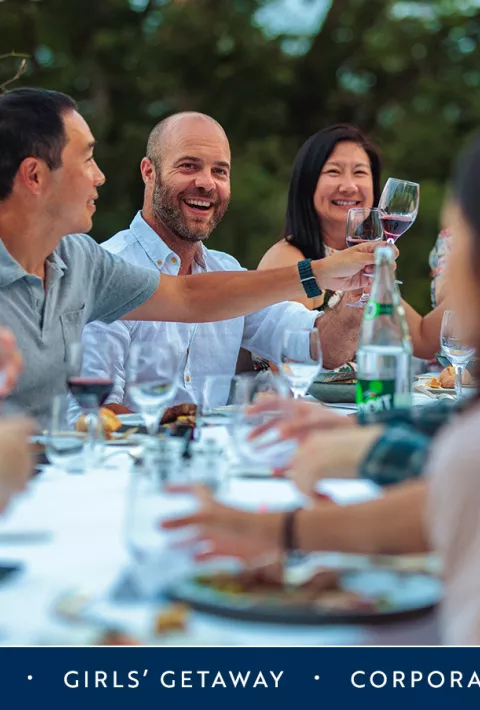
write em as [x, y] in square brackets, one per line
[147, 168]
[33, 173]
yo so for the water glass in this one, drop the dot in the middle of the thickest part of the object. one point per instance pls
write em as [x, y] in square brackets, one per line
[217, 391]
[301, 359]
[454, 348]
[159, 556]
[255, 442]
[64, 447]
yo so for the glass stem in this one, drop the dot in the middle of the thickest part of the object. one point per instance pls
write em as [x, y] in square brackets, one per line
[458, 380]
[151, 423]
[93, 426]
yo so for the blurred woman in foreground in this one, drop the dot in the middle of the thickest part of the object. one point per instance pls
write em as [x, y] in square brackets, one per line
[338, 169]
[437, 512]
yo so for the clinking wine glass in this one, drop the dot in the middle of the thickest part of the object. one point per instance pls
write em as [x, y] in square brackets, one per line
[363, 225]
[454, 347]
[398, 206]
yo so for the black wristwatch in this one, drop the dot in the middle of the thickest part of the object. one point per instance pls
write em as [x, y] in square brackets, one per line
[308, 279]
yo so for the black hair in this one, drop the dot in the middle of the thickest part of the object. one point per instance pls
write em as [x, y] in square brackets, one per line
[31, 125]
[303, 228]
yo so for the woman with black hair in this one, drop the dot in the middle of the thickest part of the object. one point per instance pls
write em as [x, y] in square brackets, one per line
[337, 169]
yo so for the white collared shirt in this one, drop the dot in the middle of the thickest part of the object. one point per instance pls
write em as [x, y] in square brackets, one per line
[204, 348]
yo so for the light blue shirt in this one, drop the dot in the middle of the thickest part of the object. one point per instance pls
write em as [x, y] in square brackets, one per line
[202, 349]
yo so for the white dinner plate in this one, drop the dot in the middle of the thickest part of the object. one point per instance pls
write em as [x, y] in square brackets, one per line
[131, 419]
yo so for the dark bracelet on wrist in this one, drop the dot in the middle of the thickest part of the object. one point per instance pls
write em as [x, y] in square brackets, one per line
[289, 537]
[308, 279]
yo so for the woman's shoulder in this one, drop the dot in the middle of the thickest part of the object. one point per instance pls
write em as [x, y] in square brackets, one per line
[281, 254]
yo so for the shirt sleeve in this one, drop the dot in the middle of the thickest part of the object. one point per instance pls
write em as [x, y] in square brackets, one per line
[401, 451]
[118, 286]
[263, 331]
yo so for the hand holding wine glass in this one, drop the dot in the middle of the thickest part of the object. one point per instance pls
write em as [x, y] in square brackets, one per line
[454, 348]
[398, 206]
[363, 225]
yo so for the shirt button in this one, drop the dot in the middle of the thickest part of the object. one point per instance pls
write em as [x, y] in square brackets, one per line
[174, 259]
[187, 378]
[159, 262]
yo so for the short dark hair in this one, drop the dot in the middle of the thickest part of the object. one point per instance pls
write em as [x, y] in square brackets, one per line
[302, 225]
[31, 125]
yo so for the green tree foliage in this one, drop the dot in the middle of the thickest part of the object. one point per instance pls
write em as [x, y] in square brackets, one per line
[408, 72]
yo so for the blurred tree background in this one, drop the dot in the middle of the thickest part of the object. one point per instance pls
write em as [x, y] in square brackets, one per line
[407, 72]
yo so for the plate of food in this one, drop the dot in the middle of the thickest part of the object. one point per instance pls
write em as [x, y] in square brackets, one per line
[335, 387]
[328, 596]
[445, 381]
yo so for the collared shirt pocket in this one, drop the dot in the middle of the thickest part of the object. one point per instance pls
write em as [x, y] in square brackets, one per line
[73, 324]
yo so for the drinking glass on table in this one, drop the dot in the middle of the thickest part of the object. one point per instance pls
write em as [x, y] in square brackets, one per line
[215, 400]
[454, 348]
[159, 556]
[300, 359]
[363, 225]
[91, 392]
[152, 380]
[398, 206]
[263, 448]
[64, 447]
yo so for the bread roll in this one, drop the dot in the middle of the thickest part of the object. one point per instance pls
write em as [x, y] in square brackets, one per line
[188, 409]
[109, 420]
[447, 378]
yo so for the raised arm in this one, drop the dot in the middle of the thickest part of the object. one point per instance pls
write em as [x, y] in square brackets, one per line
[217, 296]
[425, 331]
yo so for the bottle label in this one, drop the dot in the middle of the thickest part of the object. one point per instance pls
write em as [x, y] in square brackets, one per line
[374, 396]
[374, 309]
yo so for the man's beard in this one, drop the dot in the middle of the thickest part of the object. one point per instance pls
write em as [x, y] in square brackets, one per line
[169, 214]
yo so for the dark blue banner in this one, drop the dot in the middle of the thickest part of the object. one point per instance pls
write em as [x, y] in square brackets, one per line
[131, 677]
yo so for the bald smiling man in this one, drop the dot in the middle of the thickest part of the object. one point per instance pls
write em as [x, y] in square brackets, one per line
[187, 192]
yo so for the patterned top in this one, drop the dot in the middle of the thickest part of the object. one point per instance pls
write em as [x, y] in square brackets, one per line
[401, 451]
[438, 262]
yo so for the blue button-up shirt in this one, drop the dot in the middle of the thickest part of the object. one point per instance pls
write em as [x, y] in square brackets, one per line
[202, 349]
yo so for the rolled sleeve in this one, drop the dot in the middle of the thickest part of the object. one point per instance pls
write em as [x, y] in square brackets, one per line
[263, 331]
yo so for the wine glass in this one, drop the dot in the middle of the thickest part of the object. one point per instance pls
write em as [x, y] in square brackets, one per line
[90, 392]
[398, 207]
[262, 449]
[363, 225]
[301, 359]
[216, 391]
[152, 379]
[454, 347]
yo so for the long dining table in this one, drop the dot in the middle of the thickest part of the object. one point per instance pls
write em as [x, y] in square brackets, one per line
[66, 536]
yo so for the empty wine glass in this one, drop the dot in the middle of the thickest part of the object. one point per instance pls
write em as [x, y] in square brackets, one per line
[264, 449]
[454, 347]
[215, 400]
[363, 225]
[301, 359]
[152, 379]
[398, 206]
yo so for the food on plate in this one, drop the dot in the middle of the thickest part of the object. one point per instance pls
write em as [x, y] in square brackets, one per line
[183, 413]
[446, 379]
[116, 638]
[172, 618]
[111, 423]
[323, 590]
[344, 378]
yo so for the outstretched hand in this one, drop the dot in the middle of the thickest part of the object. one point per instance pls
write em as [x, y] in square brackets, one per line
[345, 270]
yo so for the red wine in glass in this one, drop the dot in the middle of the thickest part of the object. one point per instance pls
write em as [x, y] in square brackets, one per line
[354, 241]
[90, 392]
[394, 225]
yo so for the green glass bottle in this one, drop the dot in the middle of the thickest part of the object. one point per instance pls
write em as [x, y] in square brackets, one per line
[384, 355]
